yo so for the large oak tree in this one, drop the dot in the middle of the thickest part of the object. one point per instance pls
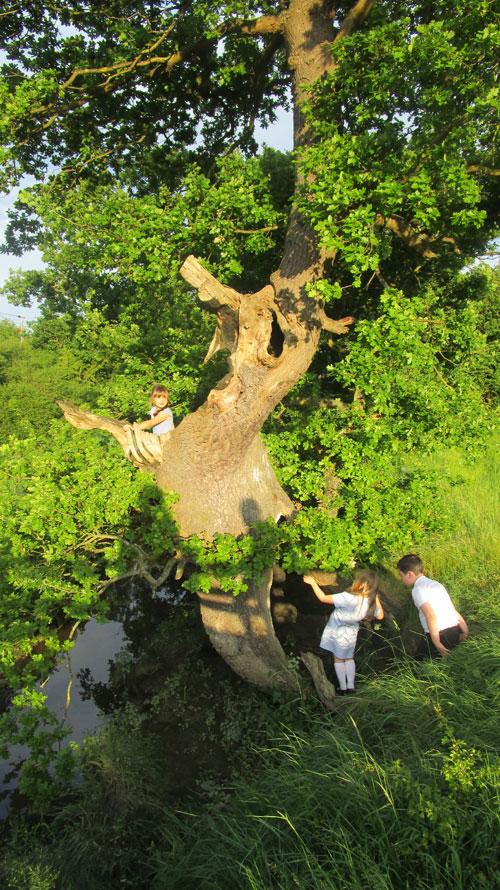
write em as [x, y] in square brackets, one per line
[396, 133]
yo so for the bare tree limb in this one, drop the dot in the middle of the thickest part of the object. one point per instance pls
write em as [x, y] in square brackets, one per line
[142, 448]
[325, 689]
[140, 568]
[209, 289]
[335, 326]
[382, 280]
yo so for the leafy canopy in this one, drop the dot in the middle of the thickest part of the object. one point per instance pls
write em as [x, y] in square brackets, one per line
[139, 111]
[138, 82]
[136, 122]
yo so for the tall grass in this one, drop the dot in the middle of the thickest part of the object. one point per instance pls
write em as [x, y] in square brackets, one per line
[400, 790]
[468, 558]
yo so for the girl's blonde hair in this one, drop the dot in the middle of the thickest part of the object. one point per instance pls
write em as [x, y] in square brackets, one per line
[366, 584]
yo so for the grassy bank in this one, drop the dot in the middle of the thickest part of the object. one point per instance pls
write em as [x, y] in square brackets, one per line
[466, 556]
[399, 789]
[402, 789]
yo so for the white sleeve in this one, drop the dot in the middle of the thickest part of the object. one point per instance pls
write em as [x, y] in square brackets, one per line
[420, 596]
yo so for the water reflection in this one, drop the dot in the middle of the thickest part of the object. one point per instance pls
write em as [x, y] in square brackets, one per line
[80, 691]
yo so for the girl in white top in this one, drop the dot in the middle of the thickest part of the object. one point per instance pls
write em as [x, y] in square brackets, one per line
[161, 420]
[358, 603]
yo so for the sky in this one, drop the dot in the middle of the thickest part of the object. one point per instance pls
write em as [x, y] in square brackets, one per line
[30, 260]
[278, 135]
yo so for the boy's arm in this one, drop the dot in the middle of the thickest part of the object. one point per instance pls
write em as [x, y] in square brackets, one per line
[430, 617]
[152, 421]
[323, 597]
[464, 628]
[378, 609]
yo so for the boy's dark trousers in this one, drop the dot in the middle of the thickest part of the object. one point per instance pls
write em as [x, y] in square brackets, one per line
[449, 637]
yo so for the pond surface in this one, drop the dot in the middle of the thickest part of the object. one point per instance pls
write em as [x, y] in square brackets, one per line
[83, 677]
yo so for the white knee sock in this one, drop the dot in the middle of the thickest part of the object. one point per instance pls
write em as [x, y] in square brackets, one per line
[350, 672]
[341, 674]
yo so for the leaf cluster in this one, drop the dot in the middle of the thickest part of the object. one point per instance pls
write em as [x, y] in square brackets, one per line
[102, 87]
[405, 140]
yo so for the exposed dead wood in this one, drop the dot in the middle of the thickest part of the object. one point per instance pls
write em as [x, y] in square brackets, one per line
[325, 689]
[334, 325]
[209, 289]
[142, 448]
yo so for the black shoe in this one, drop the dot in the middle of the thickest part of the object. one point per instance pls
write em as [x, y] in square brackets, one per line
[349, 692]
[341, 691]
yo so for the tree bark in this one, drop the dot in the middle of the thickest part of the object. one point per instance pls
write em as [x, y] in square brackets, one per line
[240, 629]
[215, 459]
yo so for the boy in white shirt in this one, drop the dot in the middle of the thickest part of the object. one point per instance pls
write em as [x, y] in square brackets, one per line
[443, 626]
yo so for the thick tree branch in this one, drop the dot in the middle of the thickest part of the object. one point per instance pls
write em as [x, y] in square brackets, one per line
[141, 448]
[335, 326]
[209, 289]
[354, 19]
[266, 24]
[420, 243]
[481, 168]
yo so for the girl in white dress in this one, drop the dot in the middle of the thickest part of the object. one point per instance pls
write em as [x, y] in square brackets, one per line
[359, 603]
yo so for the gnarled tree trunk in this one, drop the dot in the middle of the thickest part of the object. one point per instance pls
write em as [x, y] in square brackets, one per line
[215, 459]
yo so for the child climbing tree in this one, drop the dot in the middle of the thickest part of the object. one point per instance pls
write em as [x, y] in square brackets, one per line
[395, 130]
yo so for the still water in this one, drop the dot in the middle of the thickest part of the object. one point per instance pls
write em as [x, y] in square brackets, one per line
[85, 673]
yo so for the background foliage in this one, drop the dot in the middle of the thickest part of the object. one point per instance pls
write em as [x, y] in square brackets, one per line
[401, 181]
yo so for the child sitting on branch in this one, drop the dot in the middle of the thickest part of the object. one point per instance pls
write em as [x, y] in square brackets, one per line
[161, 419]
